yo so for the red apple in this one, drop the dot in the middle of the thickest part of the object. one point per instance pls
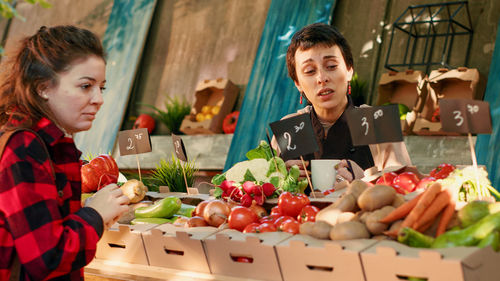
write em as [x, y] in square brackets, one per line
[386, 178]
[407, 181]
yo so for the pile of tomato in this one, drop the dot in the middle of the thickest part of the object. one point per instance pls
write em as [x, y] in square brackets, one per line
[291, 211]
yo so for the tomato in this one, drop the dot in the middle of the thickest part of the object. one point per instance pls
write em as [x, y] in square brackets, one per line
[328, 191]
[251, 228]
[291, 205]
[279, 221]
[425, 182]
[266, 227]
[144, 121]
[406, 181]
[386, 178]
[308, 213]
[240, 217]
[276, 211]
[290, 227]
[229, 122]
[442, 171]
[98, 173]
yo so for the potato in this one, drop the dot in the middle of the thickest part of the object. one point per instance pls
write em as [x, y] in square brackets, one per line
[356, 188]
[321, 230]
[306, 228]
[395, 225]
[363, 216]
[135, 190]
[398, 200]
[349, 230]
[346, 203]
[372, 221]
[376, 197]
[346, 216]
[329, 214]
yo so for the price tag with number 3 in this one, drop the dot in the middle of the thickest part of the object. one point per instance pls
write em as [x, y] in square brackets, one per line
[465, 116]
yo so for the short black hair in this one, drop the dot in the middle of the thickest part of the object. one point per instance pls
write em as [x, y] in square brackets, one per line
[313, 35]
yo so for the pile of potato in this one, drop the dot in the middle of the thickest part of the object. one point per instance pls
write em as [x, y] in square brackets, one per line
[356, 214]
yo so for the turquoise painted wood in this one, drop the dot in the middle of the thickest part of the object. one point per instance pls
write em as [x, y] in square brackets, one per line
[488, 146]
[270, 93]
[124, 39]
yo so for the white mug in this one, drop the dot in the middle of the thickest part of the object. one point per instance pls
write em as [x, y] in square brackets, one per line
[323, 173]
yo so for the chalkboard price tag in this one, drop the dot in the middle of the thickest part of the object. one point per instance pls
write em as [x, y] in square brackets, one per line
[295, 136]
[180, 150]
[375, 124]
[465, 116]
[134, 141]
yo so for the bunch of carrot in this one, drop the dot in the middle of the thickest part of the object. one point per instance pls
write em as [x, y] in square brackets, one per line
[421, 212]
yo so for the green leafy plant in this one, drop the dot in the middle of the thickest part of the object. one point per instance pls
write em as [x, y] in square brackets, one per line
[170, 174]
[176, 110]
[358, 90]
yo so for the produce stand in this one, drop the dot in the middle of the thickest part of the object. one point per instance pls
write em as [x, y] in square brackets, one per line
[100, 270]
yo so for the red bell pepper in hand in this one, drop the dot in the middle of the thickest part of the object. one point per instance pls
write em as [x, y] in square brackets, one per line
[98, 173]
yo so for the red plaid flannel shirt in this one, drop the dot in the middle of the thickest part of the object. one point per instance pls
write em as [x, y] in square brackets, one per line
[42, 221]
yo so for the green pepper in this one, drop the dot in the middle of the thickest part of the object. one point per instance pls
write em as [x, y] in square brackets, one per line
[492, 239]
[164, 208]
[413, 238]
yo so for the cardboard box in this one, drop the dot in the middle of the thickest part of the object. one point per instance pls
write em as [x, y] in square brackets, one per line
[228, 250]
[303, 257]
[403, 88]
[392, 261]
[123, 243]
[177, 247]
[460, 83]
[219, 92]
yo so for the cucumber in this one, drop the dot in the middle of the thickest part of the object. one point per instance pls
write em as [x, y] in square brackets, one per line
[186, 210]
[492, 239]
[149, 221]
[164, 208]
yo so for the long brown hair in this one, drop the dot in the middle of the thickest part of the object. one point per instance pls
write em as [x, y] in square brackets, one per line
[36, 65]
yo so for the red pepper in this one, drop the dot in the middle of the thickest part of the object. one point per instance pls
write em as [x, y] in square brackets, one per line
[98, 173]
[230, 121]
[442, 171]
[144, 121]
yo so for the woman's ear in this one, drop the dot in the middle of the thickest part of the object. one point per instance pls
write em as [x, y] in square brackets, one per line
[350, 73]
[297, 85]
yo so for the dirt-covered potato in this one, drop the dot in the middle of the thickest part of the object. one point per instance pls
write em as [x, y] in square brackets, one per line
[376, 197]
[321, 230]
[349, 230]
[398, 200]
[346, 203]
[372, 221]
[356, 188]
[306, 228]
[346, 216]
[135, 190]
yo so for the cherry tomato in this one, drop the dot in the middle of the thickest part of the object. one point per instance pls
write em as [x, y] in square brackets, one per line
[291, 227]
[406, 181]
[251, 228]
[240, 217]
[442, 171]
[266, 227]
[328, 191]
[244, 259]
[308, 213]
[291, 205]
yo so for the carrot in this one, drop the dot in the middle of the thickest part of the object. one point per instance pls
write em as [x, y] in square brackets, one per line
[401, 211]
[424, 227]
[430, 214]
[445, 218]
[422, 204]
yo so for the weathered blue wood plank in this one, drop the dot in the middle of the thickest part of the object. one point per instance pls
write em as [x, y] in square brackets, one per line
[270, 93]
[124, 39]
[488, 146]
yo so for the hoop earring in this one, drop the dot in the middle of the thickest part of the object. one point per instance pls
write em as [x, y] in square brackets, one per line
[349, 87]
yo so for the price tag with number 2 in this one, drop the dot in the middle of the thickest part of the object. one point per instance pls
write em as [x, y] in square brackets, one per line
[134, 141]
